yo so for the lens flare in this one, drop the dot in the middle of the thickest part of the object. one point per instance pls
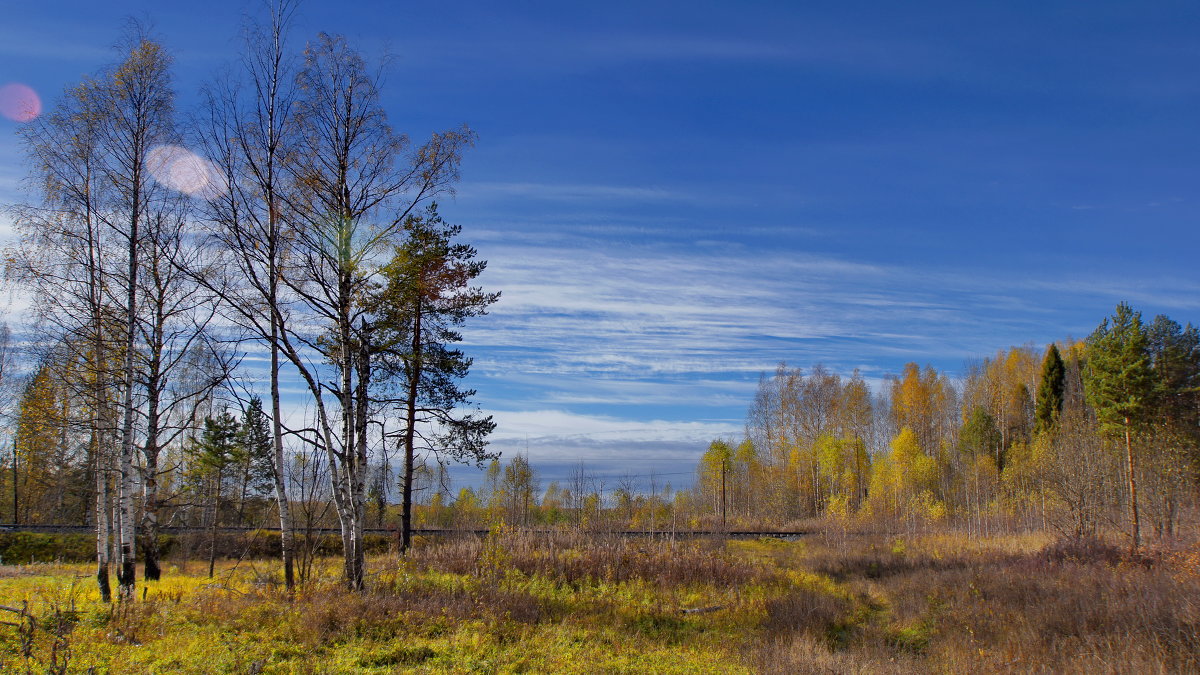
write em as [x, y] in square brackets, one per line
[184, 171]
[19, 102]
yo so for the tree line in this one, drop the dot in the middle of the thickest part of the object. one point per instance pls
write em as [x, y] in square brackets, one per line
[1097, 434]
[184, 264]
[1101, 434]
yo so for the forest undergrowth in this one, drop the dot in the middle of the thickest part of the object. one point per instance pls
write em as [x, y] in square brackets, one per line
[519, 602]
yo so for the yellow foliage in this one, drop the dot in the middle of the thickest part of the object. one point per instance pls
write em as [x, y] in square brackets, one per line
[904, 481]
[929, 507]
[882, 497]
[839, 506]
[915, 470]
[923, 401]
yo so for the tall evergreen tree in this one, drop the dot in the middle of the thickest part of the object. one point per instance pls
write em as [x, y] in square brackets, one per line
[1120, 387]
[1050, 391]
[217, 451]
[1175, 359]
[979, 435]
[256, 463]
[426, 297]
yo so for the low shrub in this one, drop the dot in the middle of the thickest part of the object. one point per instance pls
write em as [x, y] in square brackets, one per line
[267, 544]
[1086, 550]
[571, 559]
[809, 611]
[29, 547]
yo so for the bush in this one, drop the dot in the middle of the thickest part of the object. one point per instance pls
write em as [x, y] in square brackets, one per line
[267, 544]
[18, 548]
[808, 611]
[1082, 550]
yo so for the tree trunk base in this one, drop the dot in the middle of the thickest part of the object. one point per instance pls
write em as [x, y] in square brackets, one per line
[103, 582]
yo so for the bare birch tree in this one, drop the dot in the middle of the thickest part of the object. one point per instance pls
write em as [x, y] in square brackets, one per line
[357, 185]
[62, 258]
[137, 115]
[82, 251]
[246, 129]
[180, 361]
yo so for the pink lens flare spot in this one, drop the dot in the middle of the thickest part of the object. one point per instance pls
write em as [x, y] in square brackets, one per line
[184, 171]
[19, 102]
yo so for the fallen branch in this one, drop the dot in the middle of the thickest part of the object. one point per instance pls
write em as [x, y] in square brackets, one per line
[702, 610]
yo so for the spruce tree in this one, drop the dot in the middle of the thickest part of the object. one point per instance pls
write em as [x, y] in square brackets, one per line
[1175, 359]
[979, 435]
[256, 461]
[1050, 391]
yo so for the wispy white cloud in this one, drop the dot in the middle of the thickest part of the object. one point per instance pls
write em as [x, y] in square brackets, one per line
[656, 317]
[552, 426]
[663, 47]
[1173, 293]
[560, 436]
[652, 310]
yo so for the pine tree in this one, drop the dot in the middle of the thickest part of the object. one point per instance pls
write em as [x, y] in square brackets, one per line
[1120, 385]
[216, 452]
[426, 296]
[1175, 358]
[1050, 391]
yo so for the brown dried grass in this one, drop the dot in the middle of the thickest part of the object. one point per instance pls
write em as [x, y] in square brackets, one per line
[1075, 606]
[574, 558]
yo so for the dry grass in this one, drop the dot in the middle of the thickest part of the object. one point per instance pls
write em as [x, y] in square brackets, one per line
[572, 603]
[1047, 613]
[1069, 607]
[573, 559]
[803, 654]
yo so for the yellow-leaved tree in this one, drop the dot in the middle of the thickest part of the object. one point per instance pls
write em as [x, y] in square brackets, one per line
[44, 470]
[714, 478]
[843, 464]
[904, 483]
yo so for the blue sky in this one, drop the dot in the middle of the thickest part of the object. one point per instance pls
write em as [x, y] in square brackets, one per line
[674, 197]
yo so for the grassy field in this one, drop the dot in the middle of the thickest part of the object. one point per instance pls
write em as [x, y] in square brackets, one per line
[517, 603]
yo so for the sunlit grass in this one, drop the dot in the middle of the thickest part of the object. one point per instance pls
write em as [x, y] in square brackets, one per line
[517, 603]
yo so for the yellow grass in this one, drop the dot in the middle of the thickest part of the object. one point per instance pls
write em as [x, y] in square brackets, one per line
[518, 603]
